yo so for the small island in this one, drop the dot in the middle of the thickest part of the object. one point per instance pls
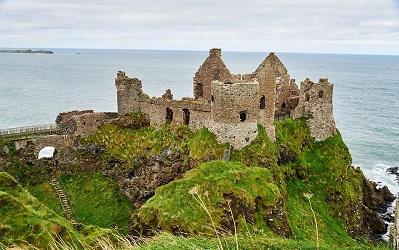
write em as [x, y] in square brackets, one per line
[28, 51]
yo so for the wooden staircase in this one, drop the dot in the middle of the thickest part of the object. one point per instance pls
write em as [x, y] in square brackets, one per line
[64, 201]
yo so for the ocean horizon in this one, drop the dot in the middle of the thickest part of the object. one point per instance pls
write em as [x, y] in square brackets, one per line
[34, 88]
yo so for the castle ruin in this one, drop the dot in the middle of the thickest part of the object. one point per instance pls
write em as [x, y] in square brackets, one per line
[232, 105]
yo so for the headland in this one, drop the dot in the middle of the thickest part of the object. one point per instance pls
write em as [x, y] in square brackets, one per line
[27, 51]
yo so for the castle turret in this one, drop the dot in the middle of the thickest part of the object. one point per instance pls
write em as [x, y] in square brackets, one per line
[316, 104]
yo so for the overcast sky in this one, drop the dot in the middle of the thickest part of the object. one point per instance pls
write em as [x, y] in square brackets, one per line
[326, 26]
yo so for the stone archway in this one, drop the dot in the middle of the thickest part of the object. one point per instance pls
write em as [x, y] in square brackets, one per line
[47, 152]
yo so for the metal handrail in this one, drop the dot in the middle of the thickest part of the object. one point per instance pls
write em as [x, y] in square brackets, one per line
[30, 130]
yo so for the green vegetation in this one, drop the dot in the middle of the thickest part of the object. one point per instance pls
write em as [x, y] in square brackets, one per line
[249, 241]
[124, 144]
[6, 148]
[96, 200]
[260, 194]
[26, 221]
[322, 169]
[220, 185]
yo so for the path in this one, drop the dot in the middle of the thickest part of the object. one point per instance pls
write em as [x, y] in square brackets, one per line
[29, 132]
[64, 201]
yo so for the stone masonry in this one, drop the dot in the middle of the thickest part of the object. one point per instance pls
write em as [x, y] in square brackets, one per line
[230, 105]
[83, 123]
[316, 105]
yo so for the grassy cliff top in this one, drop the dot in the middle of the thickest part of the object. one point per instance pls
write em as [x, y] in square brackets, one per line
[270, 195]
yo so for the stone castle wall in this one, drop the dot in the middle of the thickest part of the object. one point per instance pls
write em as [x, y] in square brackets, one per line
[231, 106]
[83, 123]
[316, 105]
[213, 69]
[287, 93]
[33, 146]
[234, 113]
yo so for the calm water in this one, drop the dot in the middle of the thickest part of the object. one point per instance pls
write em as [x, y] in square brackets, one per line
[34, 88]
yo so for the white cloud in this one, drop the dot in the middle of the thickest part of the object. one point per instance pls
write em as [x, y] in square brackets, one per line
[196, 24]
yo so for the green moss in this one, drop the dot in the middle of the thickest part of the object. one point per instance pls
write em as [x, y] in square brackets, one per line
[25, 174]
[261, 152]
[125, 144]
[323, 169]
[26, 221]
[96, 200]
[10, 147]
[320, 168]
[203, 146]
[257, 177]
[46, 194]
[175, 208]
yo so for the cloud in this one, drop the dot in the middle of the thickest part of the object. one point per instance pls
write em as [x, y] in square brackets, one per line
[173, 23]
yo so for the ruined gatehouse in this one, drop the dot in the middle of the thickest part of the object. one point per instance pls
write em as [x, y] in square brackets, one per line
[232, 105]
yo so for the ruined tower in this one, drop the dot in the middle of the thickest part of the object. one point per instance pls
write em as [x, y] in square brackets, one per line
[316, 104]
[129, 93]
[268, 72]
[234, 114]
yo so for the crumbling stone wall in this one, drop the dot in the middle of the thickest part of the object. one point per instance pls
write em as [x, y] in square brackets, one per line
[266, 74]
[212, 69]
[287, 96]
[229, 105]
[32, 147]
[130, 94]
[193, 113]
[316, 105]
[84, 123]
[65, 116]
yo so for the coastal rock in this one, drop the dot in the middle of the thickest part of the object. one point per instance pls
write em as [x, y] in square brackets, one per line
[376, 198]
[140, 182]
[394, 171]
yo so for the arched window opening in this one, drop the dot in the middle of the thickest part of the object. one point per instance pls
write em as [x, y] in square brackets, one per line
[321, 94]
[262, 104]
[212, 98]
[307, 97]
[243, 116]
[169, 115]
[186, 116]
[199, 89]
[284, 105]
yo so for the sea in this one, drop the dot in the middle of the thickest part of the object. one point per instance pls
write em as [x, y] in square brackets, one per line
[34, 88]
